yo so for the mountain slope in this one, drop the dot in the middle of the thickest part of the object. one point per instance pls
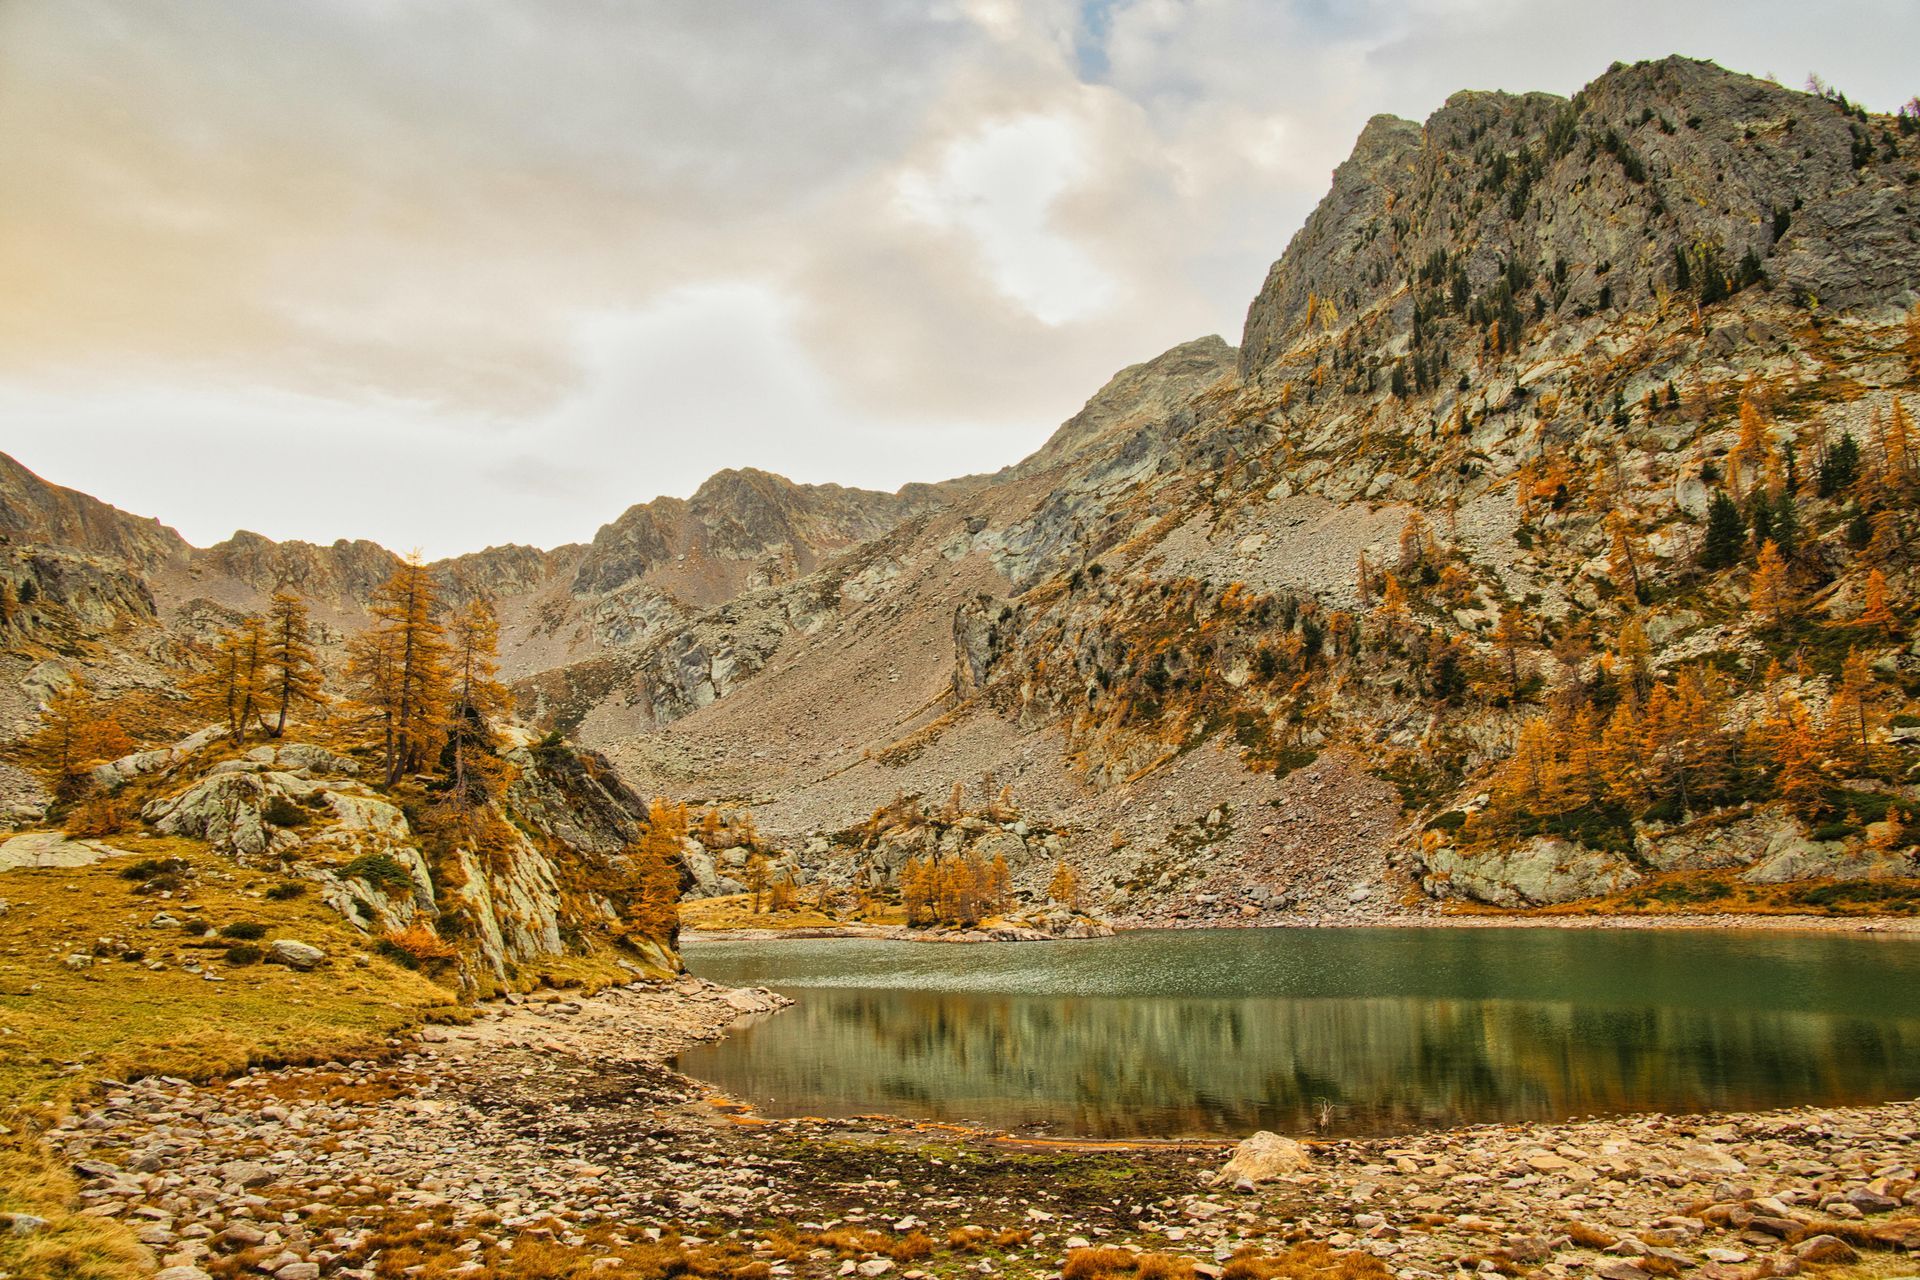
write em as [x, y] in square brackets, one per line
[1260, 629]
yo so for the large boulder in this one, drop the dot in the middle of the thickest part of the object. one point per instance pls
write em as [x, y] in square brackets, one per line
[1264, 1157]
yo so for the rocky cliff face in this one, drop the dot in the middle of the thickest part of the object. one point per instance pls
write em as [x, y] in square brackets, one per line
[552, 877]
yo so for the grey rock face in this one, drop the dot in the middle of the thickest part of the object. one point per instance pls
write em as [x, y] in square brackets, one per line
[1648, 159]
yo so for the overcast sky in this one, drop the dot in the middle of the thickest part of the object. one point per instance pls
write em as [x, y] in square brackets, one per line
[447, 273]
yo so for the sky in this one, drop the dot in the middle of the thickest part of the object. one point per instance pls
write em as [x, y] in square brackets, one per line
[450, 274]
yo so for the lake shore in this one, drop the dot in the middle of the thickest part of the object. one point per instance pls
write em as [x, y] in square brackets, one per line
[553, 1130]
[1451, 920]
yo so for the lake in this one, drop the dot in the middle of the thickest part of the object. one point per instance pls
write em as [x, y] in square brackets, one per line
[1341, 1031]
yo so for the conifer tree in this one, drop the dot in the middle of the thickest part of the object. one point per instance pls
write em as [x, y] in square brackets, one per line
[1508, 635]
[1799, 776]
[72, 737]
[1875, 612]
[1623, 756]
[1771, 592]
[1852, 716]
[231, 683]
[1064, 888]
[1726, 535]
[1625, 554]
[1633, 658]
[291, 663]
[470, 758]
[399, 666]
[1840, 468]
[1883, 539]
[1391, 613]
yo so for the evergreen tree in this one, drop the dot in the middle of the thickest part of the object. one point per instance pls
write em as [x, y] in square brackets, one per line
[1841, 467]
[1726, 536]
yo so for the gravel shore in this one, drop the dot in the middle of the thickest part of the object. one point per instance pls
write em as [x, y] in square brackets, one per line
[552, 1126]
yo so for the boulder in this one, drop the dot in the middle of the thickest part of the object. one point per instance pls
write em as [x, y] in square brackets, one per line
[294, 954]
[1825, 1249]
[1264, 1157]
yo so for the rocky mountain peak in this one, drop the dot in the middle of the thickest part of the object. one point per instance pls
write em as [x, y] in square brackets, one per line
[1594, 202]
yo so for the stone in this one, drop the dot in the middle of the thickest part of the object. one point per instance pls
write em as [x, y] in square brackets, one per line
[247, 1173]
[182, 1273]
[874, 1267]
[298, 1271]
[1825, 1249]
[295, 954]
[1266, 1156]
[21, 1224]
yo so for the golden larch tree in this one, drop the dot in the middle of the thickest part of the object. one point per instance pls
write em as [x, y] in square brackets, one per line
[74, 735]
[399, 668]
[1876, 613]
[1771, 592]
[470, 759]
[291, 666]
[1853, 715]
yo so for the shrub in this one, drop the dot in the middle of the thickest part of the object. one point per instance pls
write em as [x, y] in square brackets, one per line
[244, 953]
[287, 891]
[245, 930]
[156, 875]
[101, 816]
[379, 870]
[423, 947]
[1451, 820]
[282, 812]
[196, 928]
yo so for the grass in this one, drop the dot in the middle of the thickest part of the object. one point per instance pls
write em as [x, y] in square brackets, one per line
[64, 1029]
[736, 912]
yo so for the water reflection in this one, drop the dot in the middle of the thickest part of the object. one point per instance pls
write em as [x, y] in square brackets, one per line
[1459, 1050]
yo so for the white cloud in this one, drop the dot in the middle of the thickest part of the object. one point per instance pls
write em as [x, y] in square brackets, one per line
[999, 186]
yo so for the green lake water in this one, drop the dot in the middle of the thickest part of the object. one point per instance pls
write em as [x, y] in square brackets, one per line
[1219, 1032]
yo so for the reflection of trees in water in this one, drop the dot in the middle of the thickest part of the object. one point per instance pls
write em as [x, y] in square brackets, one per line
[1120, 1066]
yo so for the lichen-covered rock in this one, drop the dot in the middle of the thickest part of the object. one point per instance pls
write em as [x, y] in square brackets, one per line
[227, 811]
[1539, 872]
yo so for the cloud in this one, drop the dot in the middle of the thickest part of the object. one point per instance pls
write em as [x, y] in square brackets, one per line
[566, 256]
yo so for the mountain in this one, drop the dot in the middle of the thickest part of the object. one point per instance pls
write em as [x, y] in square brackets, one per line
[1336, 621]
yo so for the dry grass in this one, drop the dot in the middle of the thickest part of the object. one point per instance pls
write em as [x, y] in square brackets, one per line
[736, 912]
[1310, 1261]
[71, 1246]
[1588, 1236]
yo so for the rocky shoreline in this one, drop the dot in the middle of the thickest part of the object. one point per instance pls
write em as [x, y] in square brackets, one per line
[1547, 920]
[554, 1126]
[1450, 920]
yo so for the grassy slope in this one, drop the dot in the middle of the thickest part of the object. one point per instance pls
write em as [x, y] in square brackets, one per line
[62, 1030]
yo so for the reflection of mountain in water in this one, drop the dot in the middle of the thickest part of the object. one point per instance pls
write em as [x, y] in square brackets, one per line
[1116, 1066]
